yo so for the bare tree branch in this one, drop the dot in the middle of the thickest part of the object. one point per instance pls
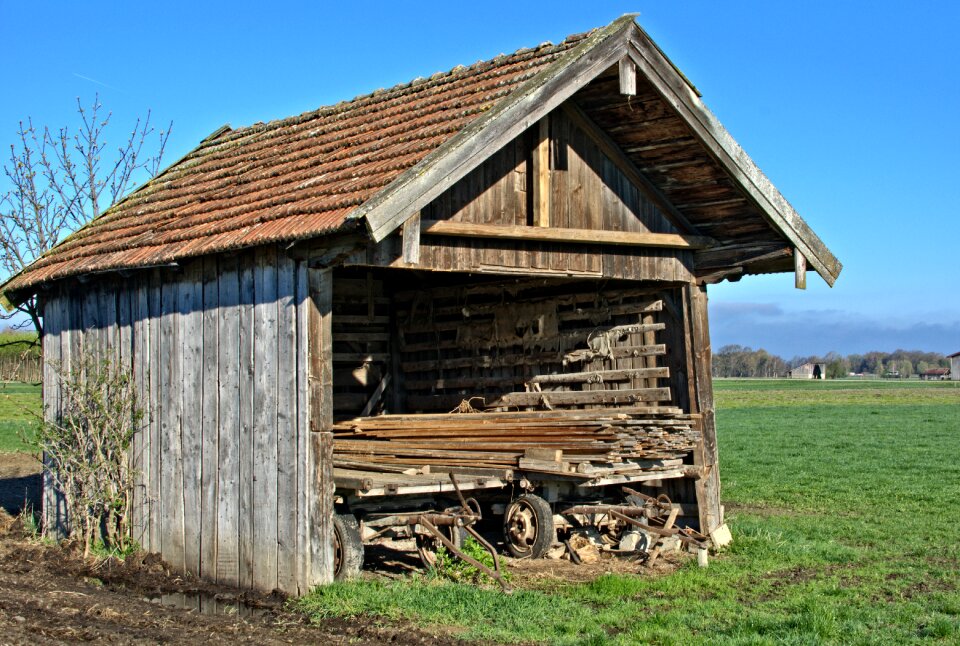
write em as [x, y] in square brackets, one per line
[56, 181]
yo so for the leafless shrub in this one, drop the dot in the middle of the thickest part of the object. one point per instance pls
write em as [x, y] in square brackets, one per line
[86, 447]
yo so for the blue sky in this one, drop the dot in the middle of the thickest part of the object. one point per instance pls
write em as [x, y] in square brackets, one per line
[850, 109]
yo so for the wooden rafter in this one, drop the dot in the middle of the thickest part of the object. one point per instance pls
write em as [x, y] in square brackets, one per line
[556, 234]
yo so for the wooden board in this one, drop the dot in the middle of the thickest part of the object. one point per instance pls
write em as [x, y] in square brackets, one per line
[264, 504]
[228, 430]
[190, 296]
[209, 374]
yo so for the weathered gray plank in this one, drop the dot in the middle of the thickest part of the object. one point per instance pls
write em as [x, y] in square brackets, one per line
[321, 525]
[799, 269]
[228, 439]
[141, 440]
[55, 319]
[210, 395]
[628, 77]
[320, 353]
[246, 457]
[286, 425]
[304, 474]
[190, 299]
[109, 344]
[170, 358]
[125, 326]
[155, 311]
[265, 421]
[411, 239]
[90, 324]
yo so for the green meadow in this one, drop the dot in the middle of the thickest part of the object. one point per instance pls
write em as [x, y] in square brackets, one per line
[844, 502]
[19, 411]
[843, 498]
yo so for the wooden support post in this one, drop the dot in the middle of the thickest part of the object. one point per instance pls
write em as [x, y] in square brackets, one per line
[628, 77]
[320, 406]
[320, 331]
[799, 269]
[411, 239]
[321, 511]
[541, 175]
[707, 487]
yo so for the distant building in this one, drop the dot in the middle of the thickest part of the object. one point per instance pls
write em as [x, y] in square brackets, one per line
[954, 366]
[935, 374]
[809, 371]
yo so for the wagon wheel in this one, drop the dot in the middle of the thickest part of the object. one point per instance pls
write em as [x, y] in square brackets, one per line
[427, 544]
[347, 547]
[528, 528]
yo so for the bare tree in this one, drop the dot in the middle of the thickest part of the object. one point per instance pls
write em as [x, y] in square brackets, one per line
[60, 180]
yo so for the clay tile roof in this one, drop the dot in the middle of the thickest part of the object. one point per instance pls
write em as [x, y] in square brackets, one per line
[287, 180]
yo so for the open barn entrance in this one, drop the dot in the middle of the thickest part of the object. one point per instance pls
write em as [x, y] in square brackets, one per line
[585, 380]
[406, 342]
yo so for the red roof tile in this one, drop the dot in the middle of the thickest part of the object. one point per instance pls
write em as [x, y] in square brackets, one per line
[290, 179]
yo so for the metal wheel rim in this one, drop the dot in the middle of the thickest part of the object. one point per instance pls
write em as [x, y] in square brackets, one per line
[428, 545]
[522, 529]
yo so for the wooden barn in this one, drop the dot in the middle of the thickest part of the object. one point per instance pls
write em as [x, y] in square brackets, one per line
[531, 235]
[809, 371]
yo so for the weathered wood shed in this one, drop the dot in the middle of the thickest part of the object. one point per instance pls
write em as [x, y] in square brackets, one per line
[521, 222]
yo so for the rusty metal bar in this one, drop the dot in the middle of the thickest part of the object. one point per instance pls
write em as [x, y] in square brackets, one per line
[493, 574]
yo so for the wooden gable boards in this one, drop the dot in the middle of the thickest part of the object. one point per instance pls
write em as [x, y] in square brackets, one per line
[621, 43]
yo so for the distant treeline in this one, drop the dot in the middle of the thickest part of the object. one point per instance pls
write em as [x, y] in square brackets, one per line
[18, 344]
[19, 356]
[741, 361]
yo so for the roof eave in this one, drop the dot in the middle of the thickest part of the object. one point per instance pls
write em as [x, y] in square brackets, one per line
[682, 97]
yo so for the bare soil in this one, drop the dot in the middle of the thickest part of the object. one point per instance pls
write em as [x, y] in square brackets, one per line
[51, 594]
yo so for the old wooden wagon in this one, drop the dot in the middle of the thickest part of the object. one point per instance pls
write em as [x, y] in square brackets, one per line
[526, 241]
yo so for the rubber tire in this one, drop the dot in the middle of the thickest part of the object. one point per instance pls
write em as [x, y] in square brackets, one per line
[427, 545]
[347, 533]
[542, 515]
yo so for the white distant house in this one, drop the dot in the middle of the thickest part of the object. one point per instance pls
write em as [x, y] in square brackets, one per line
[954, 366]
[809, 371]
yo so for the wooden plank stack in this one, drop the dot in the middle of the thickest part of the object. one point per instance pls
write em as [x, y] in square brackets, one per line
[587, 443]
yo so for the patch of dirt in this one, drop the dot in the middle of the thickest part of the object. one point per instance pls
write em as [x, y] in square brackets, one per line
[549, 573]
[50, 594]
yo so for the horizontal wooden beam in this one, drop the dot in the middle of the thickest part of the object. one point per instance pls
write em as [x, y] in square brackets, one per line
[602, 376]
[585, 397]
[555, 234]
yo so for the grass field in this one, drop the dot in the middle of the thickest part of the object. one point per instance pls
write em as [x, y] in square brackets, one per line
[844, 501]
[19, 407]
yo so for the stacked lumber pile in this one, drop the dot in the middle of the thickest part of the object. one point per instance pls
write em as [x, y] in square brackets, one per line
[587, 443]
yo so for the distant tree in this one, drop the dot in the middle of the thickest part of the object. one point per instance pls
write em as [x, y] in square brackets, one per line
[58, 180]
[837, 369]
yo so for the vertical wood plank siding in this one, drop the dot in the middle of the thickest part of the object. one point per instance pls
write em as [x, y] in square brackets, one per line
[226, 480]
